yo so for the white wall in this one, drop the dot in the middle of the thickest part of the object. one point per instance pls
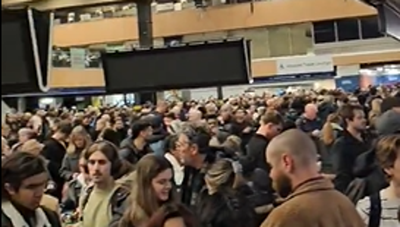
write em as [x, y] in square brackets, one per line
[272, 87]
[203, 93]
[229, 91]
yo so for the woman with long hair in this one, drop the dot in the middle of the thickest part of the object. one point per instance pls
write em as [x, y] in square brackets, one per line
[220, 205]
[151, 194]
[375, 111]
[331, 129]
[79, 141]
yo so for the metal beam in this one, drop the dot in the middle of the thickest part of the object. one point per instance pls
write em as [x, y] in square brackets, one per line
[58, 4]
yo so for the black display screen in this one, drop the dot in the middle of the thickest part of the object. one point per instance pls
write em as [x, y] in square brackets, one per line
[188, 66]
[18, 69]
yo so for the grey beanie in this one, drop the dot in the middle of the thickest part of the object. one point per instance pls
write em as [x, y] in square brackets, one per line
[388, 123]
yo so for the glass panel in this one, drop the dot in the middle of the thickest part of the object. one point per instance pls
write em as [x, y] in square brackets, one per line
[93, 59]
[348, 29]
[370, 27]
[259, 41]
[301, 40]
[61, 57]
[173, 40]
[87, 13]
[279, 41]
[324, 32]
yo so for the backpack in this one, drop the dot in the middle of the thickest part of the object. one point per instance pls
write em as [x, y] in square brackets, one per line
[357, 190]
[375, 211]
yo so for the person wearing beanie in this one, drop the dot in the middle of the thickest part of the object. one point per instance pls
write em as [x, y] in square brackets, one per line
[388, 123]
[391, 103]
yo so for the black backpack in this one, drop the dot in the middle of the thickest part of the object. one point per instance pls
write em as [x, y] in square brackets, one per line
[375, 211]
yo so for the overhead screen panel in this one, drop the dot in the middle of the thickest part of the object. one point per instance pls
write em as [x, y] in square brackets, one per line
[18, 68]
[389, 18]
[188, 66]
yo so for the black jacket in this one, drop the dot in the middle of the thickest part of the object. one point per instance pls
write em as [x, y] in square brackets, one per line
[344, 153]
[52, 217]
[225, 209]
[54, 151]
[131, 153]
[193, 182]
[71, 202]
[255, 157]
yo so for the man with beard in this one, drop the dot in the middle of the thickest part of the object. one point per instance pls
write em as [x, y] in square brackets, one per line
[270, 126]
[196, 155]
[310, 200]
[346, 149]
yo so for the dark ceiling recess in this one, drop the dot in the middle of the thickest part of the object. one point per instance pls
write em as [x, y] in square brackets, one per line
[18, 62]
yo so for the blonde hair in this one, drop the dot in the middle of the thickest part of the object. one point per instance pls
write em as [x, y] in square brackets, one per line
[232, 142]
[32, 146]
[376, 105]
[5, 149]
[328, 134]
[388, 150]
[220, 175]
[78, 131]
[375, 111]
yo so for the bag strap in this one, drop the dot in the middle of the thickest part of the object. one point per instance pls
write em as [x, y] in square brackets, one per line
[85, 199]
[375, 211]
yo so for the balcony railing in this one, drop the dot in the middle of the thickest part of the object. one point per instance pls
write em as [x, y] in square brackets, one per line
[129, 10]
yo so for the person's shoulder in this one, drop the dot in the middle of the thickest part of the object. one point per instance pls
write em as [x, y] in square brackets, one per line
[364, 204]
[339, 141]
[174, 222]
[363, 207]
[52, 216]
[125, 152]
[301, 120]
[284, 215]
[50, 202]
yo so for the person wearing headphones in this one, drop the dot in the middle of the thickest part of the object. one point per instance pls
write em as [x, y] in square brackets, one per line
[104, 199]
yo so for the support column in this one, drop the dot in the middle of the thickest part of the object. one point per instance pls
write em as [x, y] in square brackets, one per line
[145, 26]
[21, 104]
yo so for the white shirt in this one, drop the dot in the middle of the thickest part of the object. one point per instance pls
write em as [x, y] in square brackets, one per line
[177, 168]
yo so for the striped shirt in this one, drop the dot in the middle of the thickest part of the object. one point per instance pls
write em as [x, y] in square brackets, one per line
[389, 211]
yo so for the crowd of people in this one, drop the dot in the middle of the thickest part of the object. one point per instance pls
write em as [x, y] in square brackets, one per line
[301, 159]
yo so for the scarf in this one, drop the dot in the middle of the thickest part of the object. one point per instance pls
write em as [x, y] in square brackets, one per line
[18, 221]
